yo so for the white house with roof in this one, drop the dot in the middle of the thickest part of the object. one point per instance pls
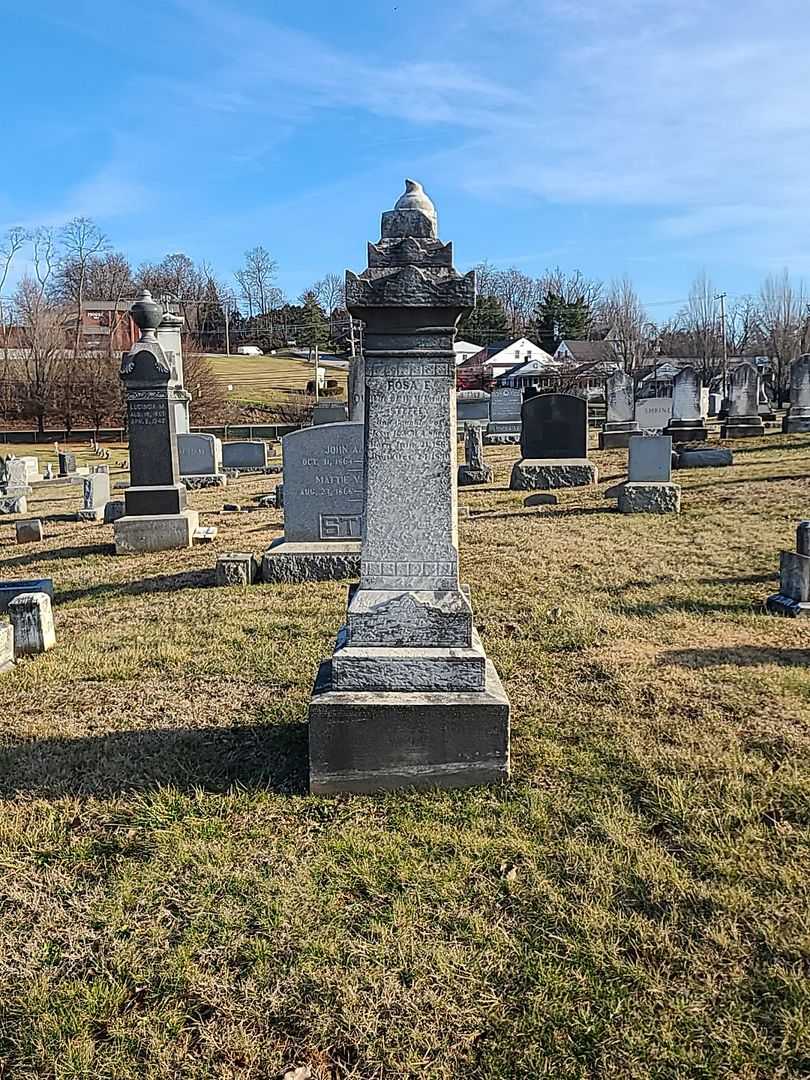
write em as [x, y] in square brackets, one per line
[464, 350]
[518, 353]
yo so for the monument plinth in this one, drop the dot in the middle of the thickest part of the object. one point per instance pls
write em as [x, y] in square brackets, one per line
[798, 417]
[156, 517]
[408, 698]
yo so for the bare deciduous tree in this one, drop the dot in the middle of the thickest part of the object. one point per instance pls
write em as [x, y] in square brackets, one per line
[12, 242]
[630, 327]
[784, 325]
[82, 240]
[255, 279]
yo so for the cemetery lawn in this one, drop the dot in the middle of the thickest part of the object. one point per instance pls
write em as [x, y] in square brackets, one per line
[633, 904]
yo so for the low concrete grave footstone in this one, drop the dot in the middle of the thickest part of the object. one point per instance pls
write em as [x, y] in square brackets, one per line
[798, 417]
[793, 598]
[330, 412]
[236, 568]
[553, 444]
[649, 488]
[200, 460]
[156, 518]
[620, 423]
[246, 456]
[323, 505]
[686, 423]
[6, 647]
[32, 619]
[743, 420]
[29, 531]
[505, 406]
[95, 496]
[653, 414]
[475, 470]
[11, 588]
[114, 509]
[472, 407]
[540, 498]
[703, 458]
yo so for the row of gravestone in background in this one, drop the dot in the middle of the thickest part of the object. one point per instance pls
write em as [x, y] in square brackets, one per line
[689, 404]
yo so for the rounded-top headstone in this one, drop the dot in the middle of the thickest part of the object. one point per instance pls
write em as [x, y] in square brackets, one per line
[416, 198]
[146, 313]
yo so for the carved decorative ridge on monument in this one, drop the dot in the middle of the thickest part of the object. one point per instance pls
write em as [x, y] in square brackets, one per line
[410, 250]
[411, 286]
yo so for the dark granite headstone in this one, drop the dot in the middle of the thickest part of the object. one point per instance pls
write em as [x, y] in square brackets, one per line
[554, 426]
[67, 463]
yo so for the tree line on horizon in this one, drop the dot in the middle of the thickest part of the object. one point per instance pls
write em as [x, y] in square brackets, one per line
[41, 326]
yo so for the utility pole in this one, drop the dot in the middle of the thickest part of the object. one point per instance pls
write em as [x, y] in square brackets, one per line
[317, 394]
[227, 326]
[722, 298]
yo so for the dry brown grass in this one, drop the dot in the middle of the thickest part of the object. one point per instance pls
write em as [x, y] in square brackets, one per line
[634, 904]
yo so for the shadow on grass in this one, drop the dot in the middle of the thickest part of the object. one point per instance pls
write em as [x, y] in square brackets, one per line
[58, 553]
[260, 757]
[690, 607]
[188, 579]
[742, 656]
[746, 480]
[743, 579]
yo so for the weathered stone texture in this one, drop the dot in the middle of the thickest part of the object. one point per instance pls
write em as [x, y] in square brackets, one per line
[649, 498]
[528, 475]
[32, 619]
[236, 568]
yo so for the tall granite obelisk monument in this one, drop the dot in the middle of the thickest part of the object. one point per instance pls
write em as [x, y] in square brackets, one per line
[409, 697]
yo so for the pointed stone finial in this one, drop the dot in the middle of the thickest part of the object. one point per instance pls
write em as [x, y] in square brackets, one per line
[415, 198]
[146, 314]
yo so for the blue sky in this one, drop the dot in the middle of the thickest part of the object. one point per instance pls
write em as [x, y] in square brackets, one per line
[653, 137]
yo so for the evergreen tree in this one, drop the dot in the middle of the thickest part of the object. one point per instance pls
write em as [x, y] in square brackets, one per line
[556, 319]
[314, 323]
[486, 322]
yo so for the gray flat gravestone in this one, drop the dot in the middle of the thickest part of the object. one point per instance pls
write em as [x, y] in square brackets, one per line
[472, 406]
[244, 455]
[654, 414]
[323, 505]
[743, 421]
[96, 495]
[554, 444]
[17, 478]
[156, 517]
[29, 531]
[409, 698]
[793, 598]
[330, 412]
[649, 488]
[621, 422]
[170, 340]
[475, 470]
[200, 460]
[687, 424]
[798, 418]
[505, 404]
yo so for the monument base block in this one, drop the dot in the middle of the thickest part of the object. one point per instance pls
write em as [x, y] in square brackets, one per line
[285, 561]
[795, 425]
[742, 428]
[380, 741]
[615, 435]
[649, 498]
[92, 516]
[683, 431]
[163, 532]
[541, 474]
[778, 604]
[207, 480]
[467, 475]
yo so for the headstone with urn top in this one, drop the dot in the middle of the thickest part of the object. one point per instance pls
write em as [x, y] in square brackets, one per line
[323, 505]
[504, 415]
[621, 422]
[793, 598]
[687, 423]
[553, 444]
[743, 420]
[408, 698]
[156, 516]
[798, 417]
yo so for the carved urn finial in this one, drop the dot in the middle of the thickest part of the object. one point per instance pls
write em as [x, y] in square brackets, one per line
[146, 314]
[415, 198]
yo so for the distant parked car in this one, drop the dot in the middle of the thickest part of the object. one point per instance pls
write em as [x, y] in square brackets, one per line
[249, 350]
